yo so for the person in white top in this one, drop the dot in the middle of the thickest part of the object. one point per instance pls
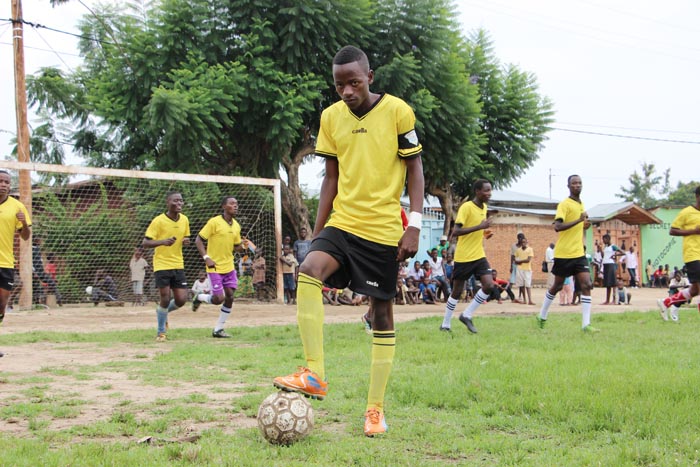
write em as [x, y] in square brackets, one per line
[631, 261]
[549, 258]
[437, 274]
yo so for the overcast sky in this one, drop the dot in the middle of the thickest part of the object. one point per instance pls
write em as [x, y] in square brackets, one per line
[627, 68]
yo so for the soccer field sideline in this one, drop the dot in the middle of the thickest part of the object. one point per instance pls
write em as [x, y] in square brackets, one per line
[88, 318]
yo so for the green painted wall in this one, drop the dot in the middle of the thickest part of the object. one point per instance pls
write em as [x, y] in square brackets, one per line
[658, 246]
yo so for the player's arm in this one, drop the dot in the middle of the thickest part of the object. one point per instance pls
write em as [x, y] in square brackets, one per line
[678, 232]
[202, 249]
[24, 231]
[329, 189]
[560, 225]
[460, 230]
[408, 244]
[151, 243]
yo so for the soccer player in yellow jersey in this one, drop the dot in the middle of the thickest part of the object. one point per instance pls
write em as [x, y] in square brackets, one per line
[469, 257]
[167, 233]
[570, 221]
[371, 148]
[13, 217]
[686, 225]
[222, 235]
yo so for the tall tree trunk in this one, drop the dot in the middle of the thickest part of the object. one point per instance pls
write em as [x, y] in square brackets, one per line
[292, 197]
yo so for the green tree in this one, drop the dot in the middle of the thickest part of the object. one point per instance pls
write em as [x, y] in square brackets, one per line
[683, 195]
[644, 186]
[237, 87]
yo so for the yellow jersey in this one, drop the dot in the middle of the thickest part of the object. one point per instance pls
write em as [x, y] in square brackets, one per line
[371, 151]
[162, 227]
[688, 219]
[221, 238]
[570, 242]
[9, 224]
[470, 247]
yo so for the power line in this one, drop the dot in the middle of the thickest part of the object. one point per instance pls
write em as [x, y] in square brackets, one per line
[41, 26]
[44, 50]
[612, 135]
[630, 128]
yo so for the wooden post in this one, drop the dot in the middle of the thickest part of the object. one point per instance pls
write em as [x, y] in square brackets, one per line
[25, 182]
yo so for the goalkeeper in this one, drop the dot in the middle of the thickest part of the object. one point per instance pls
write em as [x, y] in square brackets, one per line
[222, 235]
[167, 233]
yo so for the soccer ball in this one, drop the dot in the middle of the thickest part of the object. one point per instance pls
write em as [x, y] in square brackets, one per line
[285, 417]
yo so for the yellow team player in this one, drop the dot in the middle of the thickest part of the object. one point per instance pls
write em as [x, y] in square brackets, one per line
[469, 257]
[167, 233]
[13, 217]
[222, 235]
[570, 221]
[370, 146]
[686, 225]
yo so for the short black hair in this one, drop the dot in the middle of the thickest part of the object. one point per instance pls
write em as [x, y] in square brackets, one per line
[479, 184]
[4, 172]
[171, 193]
[225, 199]
[697, 190]
[568, 180]
[350, 54]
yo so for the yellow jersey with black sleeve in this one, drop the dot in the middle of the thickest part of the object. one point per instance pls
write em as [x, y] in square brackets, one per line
[9, 224]
[570, 242]
[221, 238]
[162, 227]
[470, 247]
[689, 219]
[371, 152]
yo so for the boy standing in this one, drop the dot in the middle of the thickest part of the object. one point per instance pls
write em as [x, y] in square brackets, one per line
[371, 147]
[289, 265]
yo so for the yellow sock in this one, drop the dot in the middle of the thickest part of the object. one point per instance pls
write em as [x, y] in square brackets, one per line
[383, 349]
[310, 314]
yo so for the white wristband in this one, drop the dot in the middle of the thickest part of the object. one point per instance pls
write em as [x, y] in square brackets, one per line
[415, 219]
[205, 257]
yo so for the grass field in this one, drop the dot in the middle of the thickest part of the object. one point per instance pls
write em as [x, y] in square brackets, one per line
[511, 395]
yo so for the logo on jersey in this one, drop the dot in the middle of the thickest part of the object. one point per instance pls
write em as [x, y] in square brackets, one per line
[412, 137]
[359, 130]
[373, 284]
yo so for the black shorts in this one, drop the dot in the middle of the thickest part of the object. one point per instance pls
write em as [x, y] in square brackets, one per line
[565, 267]
[693, 270]
[7, 278]
[173, 278]
[478, 268]
[366, 267]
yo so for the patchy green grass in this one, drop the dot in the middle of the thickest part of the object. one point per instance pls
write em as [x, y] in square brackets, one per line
[511, 395]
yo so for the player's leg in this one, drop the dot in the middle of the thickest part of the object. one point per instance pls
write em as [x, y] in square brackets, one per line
[383, 350]
[458, 282]
[583, 277]
[559, 271]
[217, 294]
[4, 299]
[229, 282]
[163, 284]
[316, 268]
[481, 269]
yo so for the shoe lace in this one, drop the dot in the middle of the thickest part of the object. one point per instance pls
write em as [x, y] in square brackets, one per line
[302, 370]
[373, 415]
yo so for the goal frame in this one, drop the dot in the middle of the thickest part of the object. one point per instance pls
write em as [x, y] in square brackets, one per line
[25, 263]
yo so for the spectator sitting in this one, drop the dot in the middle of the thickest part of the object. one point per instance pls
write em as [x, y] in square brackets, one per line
[330, 296]
[428, 291]
[677, 283]
[104, 289]
[412, 291]
[501, 286]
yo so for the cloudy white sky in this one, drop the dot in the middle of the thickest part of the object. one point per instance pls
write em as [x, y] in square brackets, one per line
[626, 68]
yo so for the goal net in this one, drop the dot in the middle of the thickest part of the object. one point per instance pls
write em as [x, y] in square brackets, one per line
[91, 219]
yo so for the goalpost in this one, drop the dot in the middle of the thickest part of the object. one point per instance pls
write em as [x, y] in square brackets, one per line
[89, 219]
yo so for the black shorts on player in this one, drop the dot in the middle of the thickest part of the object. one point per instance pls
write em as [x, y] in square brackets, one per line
[173, 278]
[478, 268]
[366, 267]
[7, 278]
[565, 267]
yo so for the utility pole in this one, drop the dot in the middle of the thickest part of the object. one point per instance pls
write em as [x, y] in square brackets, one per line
[25, 182]
[550, 183]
